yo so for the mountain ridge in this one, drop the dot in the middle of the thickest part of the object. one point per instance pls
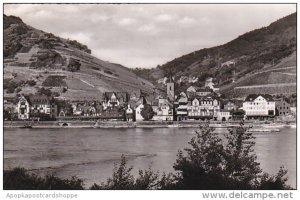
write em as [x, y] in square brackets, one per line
[254, 51]
[32, 54]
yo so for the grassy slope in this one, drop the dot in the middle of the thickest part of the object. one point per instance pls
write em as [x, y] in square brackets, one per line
[94, 77]
[256, 51]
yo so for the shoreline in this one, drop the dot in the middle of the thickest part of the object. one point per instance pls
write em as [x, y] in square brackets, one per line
[144, 124]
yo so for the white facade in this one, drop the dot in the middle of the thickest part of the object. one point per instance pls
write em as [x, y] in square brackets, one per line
[222, 115]
[259, 107]
[42, 108]
[138, 111]
[191, 89]
[23, 108]
[203, 107]
[113, 101]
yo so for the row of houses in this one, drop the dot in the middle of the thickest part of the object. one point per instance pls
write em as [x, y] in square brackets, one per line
[196, 103]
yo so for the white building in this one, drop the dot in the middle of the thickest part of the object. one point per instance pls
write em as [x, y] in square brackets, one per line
[129, 113]
[259, 106]
[164, 110]
[192, 89]
[222, 115]
[209, 83]
[139, 107]
[23, 108]
[201, 108]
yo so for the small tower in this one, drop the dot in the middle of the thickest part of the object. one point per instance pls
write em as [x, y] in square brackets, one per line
[170, 90]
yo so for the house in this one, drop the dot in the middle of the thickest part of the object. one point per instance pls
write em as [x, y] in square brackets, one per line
[193, 79]
[162, 80]
[192, 89]
[115, 99]
[129, 113]
[181, 105]
[139, 107]
[282, 107]
[228, 64]
[164, 110]
[202, 92]
[259, 106]
[230, 105]
[222, 115]
[183, 79]
[209, 83]
[39, 104]
[23, 108]
[38, 107]
[202, 108]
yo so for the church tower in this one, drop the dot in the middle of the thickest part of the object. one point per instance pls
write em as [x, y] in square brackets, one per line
[170, 90]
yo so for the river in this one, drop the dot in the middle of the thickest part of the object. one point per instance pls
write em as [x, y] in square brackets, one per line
[90, 154]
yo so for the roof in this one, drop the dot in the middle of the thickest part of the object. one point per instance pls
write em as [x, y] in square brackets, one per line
[120, 95]
[38, 99]
[252, 97]
[206, 89]
[224, 110]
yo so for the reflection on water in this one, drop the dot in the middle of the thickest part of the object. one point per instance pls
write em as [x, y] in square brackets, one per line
[91, 153]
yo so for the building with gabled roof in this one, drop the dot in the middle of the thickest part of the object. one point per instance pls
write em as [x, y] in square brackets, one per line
[115, 99]
[259, 106]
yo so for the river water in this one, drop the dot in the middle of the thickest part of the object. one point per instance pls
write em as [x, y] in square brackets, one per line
[90, 154]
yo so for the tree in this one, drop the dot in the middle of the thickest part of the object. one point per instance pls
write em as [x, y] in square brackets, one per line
[73, 65]
[201, 167]
[31, 83]
[211, 163]
[122, 179]
[44, 91]
[240, 160]
[147, 112]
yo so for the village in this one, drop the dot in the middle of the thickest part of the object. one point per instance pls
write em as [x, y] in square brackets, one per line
[197, 103]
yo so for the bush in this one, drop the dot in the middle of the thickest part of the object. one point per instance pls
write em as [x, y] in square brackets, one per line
[19, 179]
[73, 65]
[209, 164]
[31, 83]
[122, 179]
[147, 112]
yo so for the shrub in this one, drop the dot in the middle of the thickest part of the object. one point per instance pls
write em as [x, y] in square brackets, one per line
[19, 179]
[122, 179]
[209, 164]
[31, 83]
[147, 112]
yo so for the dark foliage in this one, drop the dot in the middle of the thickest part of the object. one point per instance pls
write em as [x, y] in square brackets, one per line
[19, 179]
[209, 164]
[55, 81]
[73, 65]
[147, 112]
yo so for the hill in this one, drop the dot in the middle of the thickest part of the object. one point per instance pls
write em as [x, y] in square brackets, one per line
[35, 59]
[260, 57]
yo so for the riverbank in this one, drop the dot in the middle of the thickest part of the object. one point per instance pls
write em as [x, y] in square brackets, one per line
[144, 124]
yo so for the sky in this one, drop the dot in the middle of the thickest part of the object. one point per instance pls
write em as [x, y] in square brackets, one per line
[147, 35]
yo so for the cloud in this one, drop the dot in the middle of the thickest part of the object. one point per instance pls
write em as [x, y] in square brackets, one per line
[126, 21]
[187, 21]
[164, 17]
[145, 35]
[148, 28]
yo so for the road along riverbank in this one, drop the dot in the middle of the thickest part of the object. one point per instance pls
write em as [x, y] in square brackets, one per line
[146, 124]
